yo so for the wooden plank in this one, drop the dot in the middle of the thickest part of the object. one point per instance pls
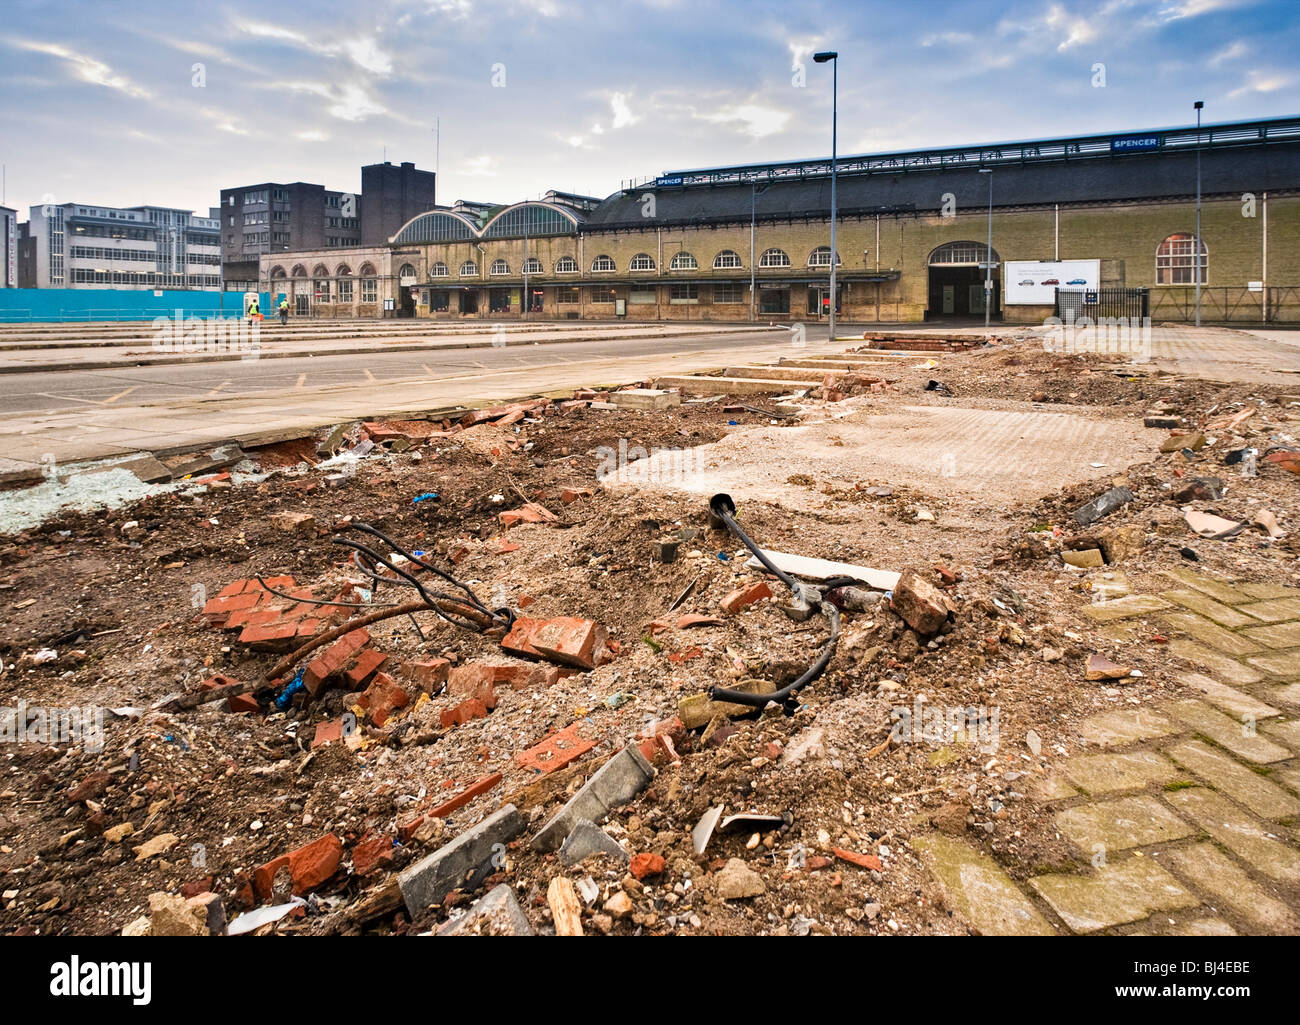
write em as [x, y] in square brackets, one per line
[822, 569]
[566, 909]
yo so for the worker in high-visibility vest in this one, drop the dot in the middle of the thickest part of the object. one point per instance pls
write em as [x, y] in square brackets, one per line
[253, 312]
[284, 310]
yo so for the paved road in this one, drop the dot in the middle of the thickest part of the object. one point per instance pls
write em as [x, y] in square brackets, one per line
[62, 390]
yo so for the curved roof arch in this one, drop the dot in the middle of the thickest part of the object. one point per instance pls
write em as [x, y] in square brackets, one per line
[531, 217]
[436, 226]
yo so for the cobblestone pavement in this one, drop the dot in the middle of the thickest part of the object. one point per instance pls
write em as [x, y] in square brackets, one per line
[1184, 812]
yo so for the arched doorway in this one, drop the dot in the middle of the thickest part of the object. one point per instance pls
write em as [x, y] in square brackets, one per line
[956, 287]
[406, 280]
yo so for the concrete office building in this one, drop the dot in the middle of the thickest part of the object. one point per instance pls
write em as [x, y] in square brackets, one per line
[75, 245]
[1088, 213]
[275, 217]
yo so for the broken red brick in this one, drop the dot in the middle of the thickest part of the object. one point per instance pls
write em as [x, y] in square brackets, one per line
[368, 663]
[429, 676]
[529, 512]
[383, 697]
[310, 866]
[570, 495]
[694, 651]
[469, 679]
[922, 605]
[571, 641]
[476, 789]
[867, 861]
[334, 659]
[327, 732]
[272, 637]
[372, 851]
[646, 864]
[687, 622]
[472, 708]
[556, 751]
[737, 600]
[244, 703]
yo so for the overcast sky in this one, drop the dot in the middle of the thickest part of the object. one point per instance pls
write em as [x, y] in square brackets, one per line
[103, 103]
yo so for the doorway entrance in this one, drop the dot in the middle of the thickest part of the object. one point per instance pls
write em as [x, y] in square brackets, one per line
[956, 281]
[468, 302]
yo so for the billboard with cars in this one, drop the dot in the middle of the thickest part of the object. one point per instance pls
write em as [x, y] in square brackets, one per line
[1034, 282]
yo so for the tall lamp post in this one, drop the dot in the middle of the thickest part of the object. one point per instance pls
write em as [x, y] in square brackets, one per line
[1196, 249]
[988, 254]
[822, 58]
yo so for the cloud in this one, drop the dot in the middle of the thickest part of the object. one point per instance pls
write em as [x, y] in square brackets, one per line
[314, 135]
[1194, 8]
[750, 119]
[363, 51]
[1262, 82]
[623, 115]
[479, 167]
[1229, 53]
[348, 101]
[88, 69]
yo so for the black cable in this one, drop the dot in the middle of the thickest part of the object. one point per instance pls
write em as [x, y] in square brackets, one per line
[724, 509]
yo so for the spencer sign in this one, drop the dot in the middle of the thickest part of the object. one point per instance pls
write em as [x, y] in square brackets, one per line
[1134, 143]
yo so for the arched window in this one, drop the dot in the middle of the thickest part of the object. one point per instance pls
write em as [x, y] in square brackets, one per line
[320, 271]
[602, 264]
[321, 288]
[469, 269]
[367, 270]
[343, 274]
[727, 258]
[642, 261]
[961, 254]
[683, 261]
[499, 267]
[369, 286]
[439, 270]
[299, 271]
[774, 258]
[532, 265]
[343, 271]
[566, 265]
[406, 275]
[277, 272]
[821, 257]
[1175, 262]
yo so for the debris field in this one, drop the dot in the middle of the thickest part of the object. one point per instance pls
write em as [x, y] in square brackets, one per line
[461, 674]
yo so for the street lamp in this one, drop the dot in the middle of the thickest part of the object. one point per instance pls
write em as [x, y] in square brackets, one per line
[1196, 249]
[822, 58]
[988, 255]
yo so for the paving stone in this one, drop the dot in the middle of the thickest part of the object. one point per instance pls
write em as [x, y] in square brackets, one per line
[1287, 732]
[1288, 694]
[1226, 732]
[1230, 777]
[1269, 591]
[1216, 589]
[1116, 894]
[1284, 664]
[1224, 615]
[1279, 610]
[978, 890]
[1052, 788]
[1115, 729]
[612, 785]
[429, 880]
[497, 913]
[1104, 590]
[1279, 635]
[1124, 631]
[1236, 703]
[1120, 608]
[1120, 824]
[1244, 835]
[1208, 869]
[1189, 927]
[1288, 777]
[1100, 774]
[1224, 667]
[1201, 629]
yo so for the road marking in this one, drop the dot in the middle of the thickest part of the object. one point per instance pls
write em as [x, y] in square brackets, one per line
[66, 398]
[302, 380]
[428, 369]
[218, 388]
[120, 395]
[370, 377]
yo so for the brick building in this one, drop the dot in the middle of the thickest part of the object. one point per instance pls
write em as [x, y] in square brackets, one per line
[752, 242]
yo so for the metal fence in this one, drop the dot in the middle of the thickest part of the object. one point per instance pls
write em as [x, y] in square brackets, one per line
[1131, 304]
[1277, 304]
